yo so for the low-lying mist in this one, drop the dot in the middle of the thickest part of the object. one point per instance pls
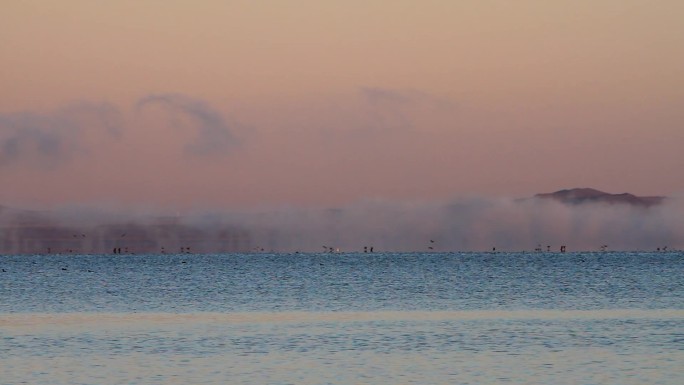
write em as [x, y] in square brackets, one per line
[475, 224]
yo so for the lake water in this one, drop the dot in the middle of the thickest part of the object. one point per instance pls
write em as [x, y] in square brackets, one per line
[447, 318]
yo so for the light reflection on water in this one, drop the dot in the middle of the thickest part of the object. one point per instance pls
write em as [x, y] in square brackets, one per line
[626, 347]
[317, 319]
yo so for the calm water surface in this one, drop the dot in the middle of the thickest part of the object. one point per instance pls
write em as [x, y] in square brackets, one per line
[450, 318]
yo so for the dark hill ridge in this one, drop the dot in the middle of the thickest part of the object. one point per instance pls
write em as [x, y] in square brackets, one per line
[589, 195]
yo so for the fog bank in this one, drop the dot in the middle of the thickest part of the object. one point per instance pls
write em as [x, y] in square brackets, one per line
[474, 224]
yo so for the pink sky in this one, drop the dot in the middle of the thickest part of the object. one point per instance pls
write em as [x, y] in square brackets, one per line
[234, 104]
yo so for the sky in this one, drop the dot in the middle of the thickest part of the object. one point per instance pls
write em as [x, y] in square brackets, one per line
[183, 105]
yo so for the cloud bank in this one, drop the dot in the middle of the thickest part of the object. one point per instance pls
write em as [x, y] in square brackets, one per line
[53, 138]
[396, 109]
[213, 134]
[49, 140]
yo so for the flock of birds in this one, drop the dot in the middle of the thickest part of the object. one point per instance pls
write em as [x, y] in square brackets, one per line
[432, 245]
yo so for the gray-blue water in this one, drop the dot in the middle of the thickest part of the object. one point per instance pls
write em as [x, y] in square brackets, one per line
[379, 318]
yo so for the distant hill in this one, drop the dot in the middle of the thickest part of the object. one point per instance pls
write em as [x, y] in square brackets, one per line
[589, 195]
